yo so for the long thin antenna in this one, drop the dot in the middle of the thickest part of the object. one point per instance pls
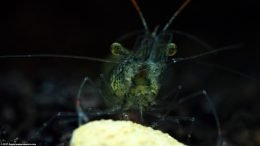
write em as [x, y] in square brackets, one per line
[176, 14]
[235, 46]
[59, 56]
[136, 6]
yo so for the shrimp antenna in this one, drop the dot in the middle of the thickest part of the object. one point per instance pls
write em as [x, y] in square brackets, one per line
[176, 14]
[59, 56]
[136, 6]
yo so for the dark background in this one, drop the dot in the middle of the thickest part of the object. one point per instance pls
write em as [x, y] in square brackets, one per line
[34, 89]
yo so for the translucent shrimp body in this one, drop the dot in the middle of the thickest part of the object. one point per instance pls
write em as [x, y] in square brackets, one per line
[135, 82]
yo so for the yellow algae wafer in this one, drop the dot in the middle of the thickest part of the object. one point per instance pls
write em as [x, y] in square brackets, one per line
[120, 133]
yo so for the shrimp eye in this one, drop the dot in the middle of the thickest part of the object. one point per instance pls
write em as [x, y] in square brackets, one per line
[117, 49]
[171, 49]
